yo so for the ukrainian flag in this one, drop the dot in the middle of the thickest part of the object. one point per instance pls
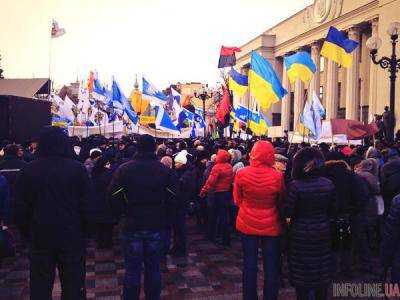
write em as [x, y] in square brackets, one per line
[238, 83]
[338, 48]
[300, 66]
[258, 125]
[264, 85]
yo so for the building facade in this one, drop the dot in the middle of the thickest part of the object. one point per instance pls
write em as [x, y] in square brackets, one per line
[357, 92]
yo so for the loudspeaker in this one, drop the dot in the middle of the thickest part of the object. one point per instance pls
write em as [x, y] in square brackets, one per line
[22, 118]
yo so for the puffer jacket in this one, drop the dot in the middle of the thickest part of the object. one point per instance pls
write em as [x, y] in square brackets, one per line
[390, 247]
[221, 176]
[309, 204]
[258, 191]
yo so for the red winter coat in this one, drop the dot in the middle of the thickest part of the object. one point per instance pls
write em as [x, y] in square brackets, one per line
[258, 191]
[221, 176]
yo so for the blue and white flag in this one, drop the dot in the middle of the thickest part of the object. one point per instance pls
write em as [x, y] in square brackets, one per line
[242, 114]
[164, 122]
[99, 91]
[199, 120]
[189, 114]
[311, 117]
[151, 93]
[120, 102]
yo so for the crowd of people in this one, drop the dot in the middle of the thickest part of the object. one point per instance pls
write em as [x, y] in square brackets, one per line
[326, 209]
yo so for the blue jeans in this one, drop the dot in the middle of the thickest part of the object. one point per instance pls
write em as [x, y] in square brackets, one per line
[142, 247]
[271, 257]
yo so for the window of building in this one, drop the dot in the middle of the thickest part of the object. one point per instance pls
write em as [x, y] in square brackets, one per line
[321, 92]
[339, 93]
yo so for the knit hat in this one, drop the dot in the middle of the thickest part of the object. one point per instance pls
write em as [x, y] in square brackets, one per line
[181, 157]
[146, 144]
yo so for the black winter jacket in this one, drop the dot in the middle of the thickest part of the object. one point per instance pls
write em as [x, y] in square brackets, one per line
[390, 246]
[52, 202]
[309, 204]
[142, 190]
[390, 181]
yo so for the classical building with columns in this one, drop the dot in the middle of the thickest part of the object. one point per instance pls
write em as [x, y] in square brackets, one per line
[357, 92]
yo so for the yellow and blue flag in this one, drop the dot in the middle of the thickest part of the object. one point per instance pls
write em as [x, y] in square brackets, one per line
[238, 83]
[264, 84]
[257, 124]
[338, 48]
[300, 66]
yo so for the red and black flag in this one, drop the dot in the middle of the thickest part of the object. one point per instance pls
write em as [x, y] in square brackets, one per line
[227, 57]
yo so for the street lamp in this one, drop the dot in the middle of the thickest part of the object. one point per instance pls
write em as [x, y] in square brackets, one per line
[390, 63]
[204, 93]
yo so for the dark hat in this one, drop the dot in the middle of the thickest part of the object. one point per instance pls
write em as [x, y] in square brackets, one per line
[200, 155]
[146, 144]
[53, 141]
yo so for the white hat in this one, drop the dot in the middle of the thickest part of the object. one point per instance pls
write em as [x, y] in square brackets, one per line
[181, 157]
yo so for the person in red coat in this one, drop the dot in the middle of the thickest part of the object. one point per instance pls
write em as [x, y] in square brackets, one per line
[220, 182]
[258, 192]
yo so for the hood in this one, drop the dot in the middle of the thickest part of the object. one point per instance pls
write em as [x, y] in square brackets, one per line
[369, 165]
[53, 141]
[372, 153]
[263, 153]
[223, 156]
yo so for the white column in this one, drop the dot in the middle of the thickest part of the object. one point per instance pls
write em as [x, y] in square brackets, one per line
[373, 78]
[298, 102]
[331, 86]
[285, 115]
[315, 81]
[353, 79]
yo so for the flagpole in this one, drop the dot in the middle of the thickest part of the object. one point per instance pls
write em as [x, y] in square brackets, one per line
[50, 52]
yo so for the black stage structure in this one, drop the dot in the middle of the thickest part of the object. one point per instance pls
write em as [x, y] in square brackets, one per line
[23, 110]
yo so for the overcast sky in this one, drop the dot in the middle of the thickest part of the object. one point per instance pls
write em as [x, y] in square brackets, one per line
[167, 41]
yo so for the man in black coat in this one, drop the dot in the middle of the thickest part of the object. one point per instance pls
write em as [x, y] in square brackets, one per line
[51, 208]
[142, 190]
[11, 164]
[390, 178]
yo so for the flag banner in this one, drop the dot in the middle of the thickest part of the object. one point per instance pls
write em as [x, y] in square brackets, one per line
[311, 117]
[242, 114]
[147, 120]
[300, 66]
[338, 47]
[238, 83]
[164, 122]
[151, 93]
[99, 92]
[198, 119]
[227, 57]
[264, 84]
[257, 124]
[120, 101]
[267, 120]
[224, 107]
[56, 31]
[189, 114]
[355, 130]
